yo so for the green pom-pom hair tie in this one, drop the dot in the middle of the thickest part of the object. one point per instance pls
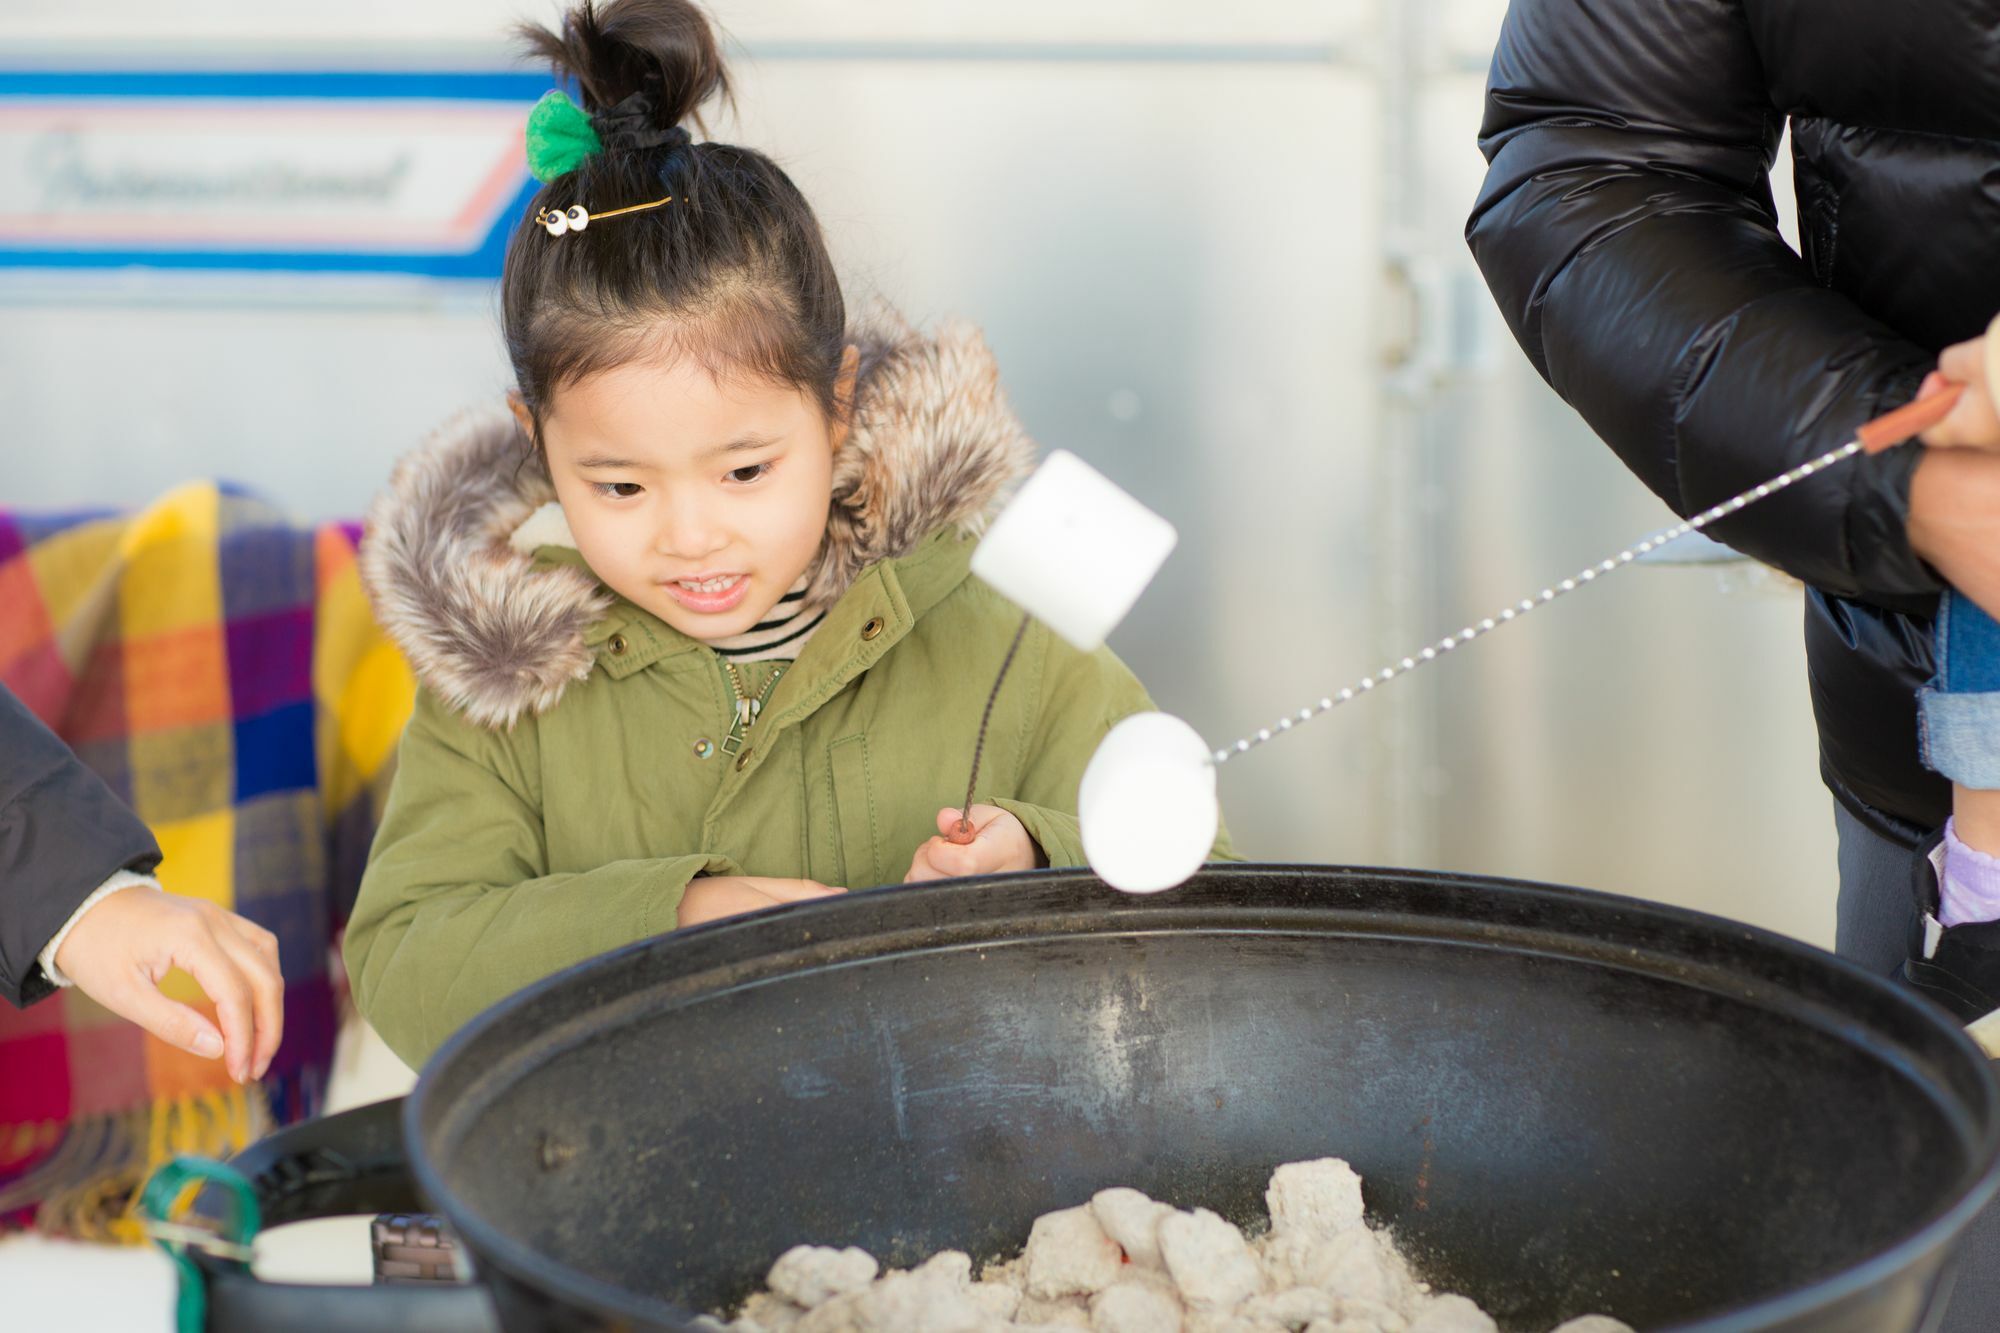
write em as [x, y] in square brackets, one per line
[560, 138]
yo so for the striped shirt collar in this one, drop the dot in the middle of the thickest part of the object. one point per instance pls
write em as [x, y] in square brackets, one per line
[779, 635]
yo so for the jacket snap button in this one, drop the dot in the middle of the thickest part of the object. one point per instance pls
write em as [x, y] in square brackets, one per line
[704, 748]
[872, 628]
[617, 645]
[743, 760]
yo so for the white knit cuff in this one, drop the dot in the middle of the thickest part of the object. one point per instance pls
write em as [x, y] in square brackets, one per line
[122, 879]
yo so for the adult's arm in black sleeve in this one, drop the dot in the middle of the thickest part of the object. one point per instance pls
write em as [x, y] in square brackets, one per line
[62, 833]
[1627, 231]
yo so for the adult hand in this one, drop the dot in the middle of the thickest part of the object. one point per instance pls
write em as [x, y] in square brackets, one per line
[1000, 842]
[1973, 423]
[711, 899]
[1954, 521]
[118, 952]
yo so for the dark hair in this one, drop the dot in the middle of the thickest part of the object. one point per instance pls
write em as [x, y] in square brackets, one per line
[733, 274]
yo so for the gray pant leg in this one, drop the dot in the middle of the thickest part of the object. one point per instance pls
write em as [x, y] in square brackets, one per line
[1875, 915]
[1876, 908]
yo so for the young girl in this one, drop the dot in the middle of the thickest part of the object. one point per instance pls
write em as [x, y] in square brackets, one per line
[694, 625]
[1956, 958]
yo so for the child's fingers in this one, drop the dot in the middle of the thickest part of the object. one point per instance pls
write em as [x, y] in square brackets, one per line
[982, 819]
[932, 861]
[953, 861]
[944, 858]
[921, 869]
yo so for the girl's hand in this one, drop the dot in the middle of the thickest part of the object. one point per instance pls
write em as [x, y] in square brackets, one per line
[1000, 843]
[711, 899]
[1973, 424]
[119, 951]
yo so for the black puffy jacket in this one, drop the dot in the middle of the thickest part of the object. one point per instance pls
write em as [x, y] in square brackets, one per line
[1627, 231]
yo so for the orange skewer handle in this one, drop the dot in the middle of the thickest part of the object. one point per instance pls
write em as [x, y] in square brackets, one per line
[1891, 429]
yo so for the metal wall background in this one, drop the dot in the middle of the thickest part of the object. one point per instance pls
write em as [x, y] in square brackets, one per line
[1217, 252]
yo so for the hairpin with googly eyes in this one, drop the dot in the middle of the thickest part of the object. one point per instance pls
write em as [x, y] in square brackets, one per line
[562, 221]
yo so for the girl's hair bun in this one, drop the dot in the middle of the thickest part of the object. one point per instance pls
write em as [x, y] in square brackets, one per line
[721, 259]
[642, 66]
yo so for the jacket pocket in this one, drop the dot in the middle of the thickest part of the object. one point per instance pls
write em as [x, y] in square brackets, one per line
[853, 812]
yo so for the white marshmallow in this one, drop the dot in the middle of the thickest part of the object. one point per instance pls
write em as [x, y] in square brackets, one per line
[1074, 549]
[1147, 806]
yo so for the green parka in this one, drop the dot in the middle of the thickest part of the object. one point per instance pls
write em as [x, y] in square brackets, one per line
[565, 776]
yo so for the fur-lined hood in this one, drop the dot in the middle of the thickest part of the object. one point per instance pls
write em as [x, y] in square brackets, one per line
[449, 563]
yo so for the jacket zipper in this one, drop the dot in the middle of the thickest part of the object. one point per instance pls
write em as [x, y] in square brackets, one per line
[748, 709]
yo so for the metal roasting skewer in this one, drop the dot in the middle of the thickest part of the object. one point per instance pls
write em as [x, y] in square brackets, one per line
[1883, 433]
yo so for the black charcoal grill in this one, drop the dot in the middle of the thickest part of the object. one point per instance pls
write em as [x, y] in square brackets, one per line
[1563, 1101]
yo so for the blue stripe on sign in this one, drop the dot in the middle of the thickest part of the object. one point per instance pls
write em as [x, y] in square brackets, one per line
[483, 263]
[472, 85]
[372, 85]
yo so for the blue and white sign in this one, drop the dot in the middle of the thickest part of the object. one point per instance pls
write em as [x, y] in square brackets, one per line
[362, 172]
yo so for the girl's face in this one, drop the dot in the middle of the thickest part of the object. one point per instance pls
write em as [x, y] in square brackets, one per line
[701, 501]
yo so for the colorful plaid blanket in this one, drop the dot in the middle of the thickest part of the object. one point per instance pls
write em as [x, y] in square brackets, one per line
[218, 666]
